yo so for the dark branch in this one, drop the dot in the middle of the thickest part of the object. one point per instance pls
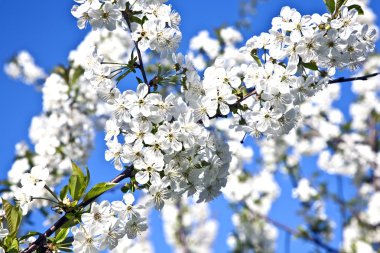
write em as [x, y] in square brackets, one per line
[59, 223]
[359, 78]
[339, 80]
[295, 233]
[141, 64]
[254, 92]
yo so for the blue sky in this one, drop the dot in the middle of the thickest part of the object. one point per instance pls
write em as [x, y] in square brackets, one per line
[47, 30]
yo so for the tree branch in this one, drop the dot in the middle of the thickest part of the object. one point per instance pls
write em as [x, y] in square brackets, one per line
[295, 233]
[141, 64]
[339, 80]
[359, 78]
[181, 236]
[59, 223]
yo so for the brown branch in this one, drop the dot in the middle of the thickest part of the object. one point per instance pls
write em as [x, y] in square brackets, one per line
[59, 223]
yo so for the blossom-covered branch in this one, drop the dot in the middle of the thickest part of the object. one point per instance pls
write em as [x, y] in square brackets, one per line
[181, 141]
[40, 242]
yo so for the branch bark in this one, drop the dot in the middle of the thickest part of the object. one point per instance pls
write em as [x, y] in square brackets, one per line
[59, 223]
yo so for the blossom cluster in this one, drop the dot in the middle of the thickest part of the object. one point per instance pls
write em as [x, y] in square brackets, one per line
[23, 67]
[286, 79]
[71, 111]
[62, 133]
[294, 60]
[154, 26]
[106, 223]
[204, 48]
[163, 140]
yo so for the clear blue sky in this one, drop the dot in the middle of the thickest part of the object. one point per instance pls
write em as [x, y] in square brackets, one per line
[47, 30]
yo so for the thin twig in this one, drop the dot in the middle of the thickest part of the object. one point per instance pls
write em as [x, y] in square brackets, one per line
[373, 143]
[141, 64]
[59, 223]
[295, 233]
[339, 80]
[51, 192]
[359, 78]
[181, 236]
[254, 92]
[342, 208]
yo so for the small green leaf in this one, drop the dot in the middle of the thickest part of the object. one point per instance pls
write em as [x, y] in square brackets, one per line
[33, 233]
[257, 59]
[122, 76]
[330, 4]
[64, 192]
[65, 249]
[13, 215]
[125, 188]
[11, 244]
[66, 244]
[340, 3]
[77, 73]
[139, 80]
[71, 223]
[61, 235]
[77, 183]
[357, 7]
[98, 189]
[77, 170]
[87, 177]
[310, 65]
[75, 187]
[136, 20]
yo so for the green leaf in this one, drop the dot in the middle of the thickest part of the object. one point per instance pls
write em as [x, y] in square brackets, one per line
[139, 80]
[65, 249]
[77, 170]
[75, 187]
[11, 244]
[136, 20]
[122, 76]
[310, 65]
[256, 57]
[72, 221]
[77, 73]
[61, 235]
[125, 188]
[64, 192]
[330, 4]
[98, 189]
[87, 177]
[13, 215]
[78, 182]
[29, 234]
[340, 3]
[357, 7]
